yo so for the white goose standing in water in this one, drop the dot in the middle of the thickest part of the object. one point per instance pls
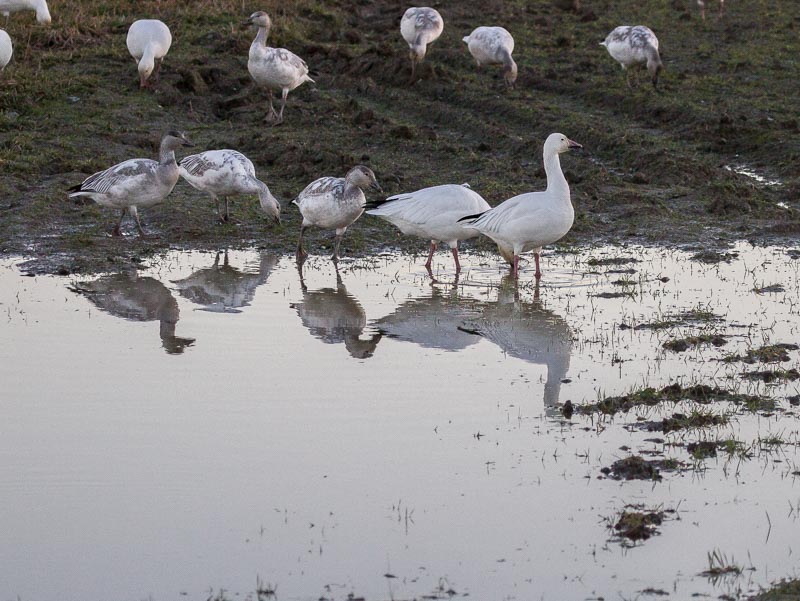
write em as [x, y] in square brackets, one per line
[148, 42]
[334, 203]
[493, 46]
[6, 49]
[532, 220]
[225, 172]
[135, 182]
[39, 6]
[433, 213]
[274, 68]
[419, 27]
[634, 45]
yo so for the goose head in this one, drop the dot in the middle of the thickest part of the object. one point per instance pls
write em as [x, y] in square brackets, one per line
[558, 143]
[173, 140]
[269, 204]
[364, 178]
[259, 19]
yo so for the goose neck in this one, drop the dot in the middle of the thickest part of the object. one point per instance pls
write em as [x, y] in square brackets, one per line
[261, 37]
[556, 182]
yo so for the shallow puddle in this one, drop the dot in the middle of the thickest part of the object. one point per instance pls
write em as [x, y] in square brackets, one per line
[214, 425]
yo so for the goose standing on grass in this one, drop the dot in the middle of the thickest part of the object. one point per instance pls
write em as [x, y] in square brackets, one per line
[274, 68]
[334, 203]
[6, 49]
[40, 6]
[135, 182]
[433, 213]
[224, 172]
[148, 42]
[419, 27]
[702, 6]
[634, 45]
[493, 46]
[532, 220]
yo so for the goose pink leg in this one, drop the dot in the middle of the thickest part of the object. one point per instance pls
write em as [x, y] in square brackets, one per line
[455, 258]
[430, 255]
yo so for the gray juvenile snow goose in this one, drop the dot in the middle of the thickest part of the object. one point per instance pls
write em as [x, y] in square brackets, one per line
[135, 182]
[274, 68]
[493, 46]
[419, 27]
[334, 203]
[225, 172]
[634, 45]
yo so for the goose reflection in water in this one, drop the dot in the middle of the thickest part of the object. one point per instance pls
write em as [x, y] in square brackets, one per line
[335, 316]
[529, 332]
[223, 288]
[433, 321]
[135, 298]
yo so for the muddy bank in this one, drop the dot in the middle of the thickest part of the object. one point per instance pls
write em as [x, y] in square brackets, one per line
[676, 166]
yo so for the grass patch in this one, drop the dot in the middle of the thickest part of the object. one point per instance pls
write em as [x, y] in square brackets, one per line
[772, 353]
[680, 345]
[636, 467]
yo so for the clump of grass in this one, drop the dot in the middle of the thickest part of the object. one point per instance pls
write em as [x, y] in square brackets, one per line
[637, 467]
[593, 262]
[719, 566]
[768, 376]
[636, 523]
[785, 590]
[672, 320]
[680, 345]
[687, 421]
[772, 353]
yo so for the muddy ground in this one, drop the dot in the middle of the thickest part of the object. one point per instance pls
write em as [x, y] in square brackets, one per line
[659, 167]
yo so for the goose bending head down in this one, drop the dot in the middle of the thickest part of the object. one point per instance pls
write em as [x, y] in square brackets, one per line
[635, 45]
[334, 203]
[6, 49]
[135, 182]
[419, 27]
[148, 42]
[39, 6]
[493, 46]
[532, 220]
[225, 172]
[274, 68]
[432, 214]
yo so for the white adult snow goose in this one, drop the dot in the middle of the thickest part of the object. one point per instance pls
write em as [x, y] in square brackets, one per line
[419, 27]
[433, 214]
[274, 68]
[148, 42]
[334, 203]
[6, 49]
[493, 46]
[532, 220]
[135, 182]
[225, 172]
[634, 45]
[39, 6]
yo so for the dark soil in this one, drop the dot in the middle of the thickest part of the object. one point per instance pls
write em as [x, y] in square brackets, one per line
[639, 468]
[637, 525]
[653, 169]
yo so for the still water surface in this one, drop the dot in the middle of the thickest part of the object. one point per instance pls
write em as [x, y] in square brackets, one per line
[217, 420]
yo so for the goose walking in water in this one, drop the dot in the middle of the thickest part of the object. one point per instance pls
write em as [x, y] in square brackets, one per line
[702, 5]
[334, 203]
[433, 213]
[274, 68]
[225, 172]
[634, 45]
[6, 49]
[532, 220]
[493, 46]
[39, 6]
[419, 27]
[148, 42]
[135, 182]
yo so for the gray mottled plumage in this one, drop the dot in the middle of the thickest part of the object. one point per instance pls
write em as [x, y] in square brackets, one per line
[493, 46]
[419, 27]
[635, 45]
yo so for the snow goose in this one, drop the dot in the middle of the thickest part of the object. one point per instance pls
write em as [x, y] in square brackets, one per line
[274, 68]
[433, 213]
[135, 182]
[148, 41]
[702, 6]
[334, 316]
[527, 331]
[224, 288]
[40, 6]
[493, 46]
[419, 27]
[334, 203]
[128, 296]
[6, 49]
[634, 45]
[224, 172]
[532, 220]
